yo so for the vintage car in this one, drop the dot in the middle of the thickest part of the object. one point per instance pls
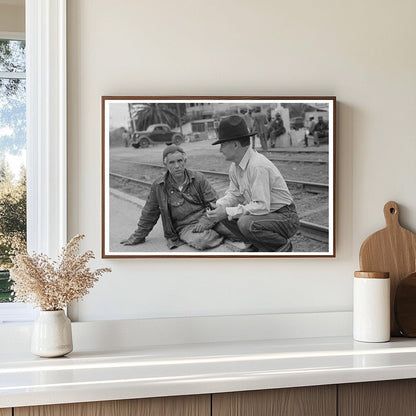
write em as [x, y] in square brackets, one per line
[156, 133]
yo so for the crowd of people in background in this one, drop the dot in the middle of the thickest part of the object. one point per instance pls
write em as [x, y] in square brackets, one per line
[267, 128]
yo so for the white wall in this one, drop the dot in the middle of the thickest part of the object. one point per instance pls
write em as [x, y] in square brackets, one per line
[360, 51]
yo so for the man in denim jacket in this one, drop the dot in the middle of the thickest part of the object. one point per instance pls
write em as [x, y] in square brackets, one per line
[181, 197]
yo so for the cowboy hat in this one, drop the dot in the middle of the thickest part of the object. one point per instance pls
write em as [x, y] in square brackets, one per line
[232, 128]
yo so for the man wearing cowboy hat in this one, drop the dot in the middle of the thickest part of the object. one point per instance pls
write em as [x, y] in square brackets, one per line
[257, 207]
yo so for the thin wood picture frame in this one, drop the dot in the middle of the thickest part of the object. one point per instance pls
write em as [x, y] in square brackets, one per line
[298, 139]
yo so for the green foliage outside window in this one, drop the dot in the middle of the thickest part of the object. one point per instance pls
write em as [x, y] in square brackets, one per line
[12, 145]
[12, 224]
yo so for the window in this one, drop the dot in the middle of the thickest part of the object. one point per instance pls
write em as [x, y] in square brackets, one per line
[12, 165]
[198, 127]
[12, 152]
[46, 135]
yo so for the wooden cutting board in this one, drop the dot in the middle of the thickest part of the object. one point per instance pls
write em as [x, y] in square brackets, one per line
[393, 250]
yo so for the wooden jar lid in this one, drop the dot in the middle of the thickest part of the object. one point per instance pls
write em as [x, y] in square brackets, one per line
[372, 275]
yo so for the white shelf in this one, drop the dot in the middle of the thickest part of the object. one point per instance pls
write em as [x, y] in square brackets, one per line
[151, 371]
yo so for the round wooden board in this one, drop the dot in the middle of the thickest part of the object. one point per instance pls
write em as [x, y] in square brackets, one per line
[405, 305]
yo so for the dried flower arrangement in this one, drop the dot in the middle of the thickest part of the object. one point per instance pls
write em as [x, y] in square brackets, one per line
[53, 285]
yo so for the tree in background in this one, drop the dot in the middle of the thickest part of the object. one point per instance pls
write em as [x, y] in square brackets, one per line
[12, 223]
[12, 143]
[299, 109]
[146, 114]
[12, 98]
[12, 213]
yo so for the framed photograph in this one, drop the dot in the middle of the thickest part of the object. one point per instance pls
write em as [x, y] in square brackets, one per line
[218, 177]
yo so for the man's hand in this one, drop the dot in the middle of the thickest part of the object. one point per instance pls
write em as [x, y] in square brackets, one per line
[218, 214]
[199, 228]
[132, 241]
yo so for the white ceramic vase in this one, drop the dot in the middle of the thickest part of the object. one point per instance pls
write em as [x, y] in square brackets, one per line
[52, 334]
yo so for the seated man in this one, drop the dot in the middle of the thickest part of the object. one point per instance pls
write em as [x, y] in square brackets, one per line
[181, 197]
[320, 132]
[257, 207]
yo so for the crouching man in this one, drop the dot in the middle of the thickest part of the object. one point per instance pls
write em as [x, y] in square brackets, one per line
[181, 197]
[257, 207]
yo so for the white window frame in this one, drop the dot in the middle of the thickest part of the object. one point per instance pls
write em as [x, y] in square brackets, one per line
[46, 133]
[46, 125]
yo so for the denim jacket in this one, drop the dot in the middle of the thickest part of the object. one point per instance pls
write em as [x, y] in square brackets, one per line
[199, 191]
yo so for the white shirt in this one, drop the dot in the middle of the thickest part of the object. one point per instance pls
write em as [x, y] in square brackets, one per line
[256, 187]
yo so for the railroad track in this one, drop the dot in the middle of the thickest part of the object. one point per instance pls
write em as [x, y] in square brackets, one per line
[214, 177]
[306, 186]
[313, 231]
[284, 160]
[298, 157]
[300, 151]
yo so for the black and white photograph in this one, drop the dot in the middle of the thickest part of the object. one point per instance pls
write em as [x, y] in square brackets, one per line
[218, 176]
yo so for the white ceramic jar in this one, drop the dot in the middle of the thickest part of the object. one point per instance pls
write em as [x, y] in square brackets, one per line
[371, 309]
